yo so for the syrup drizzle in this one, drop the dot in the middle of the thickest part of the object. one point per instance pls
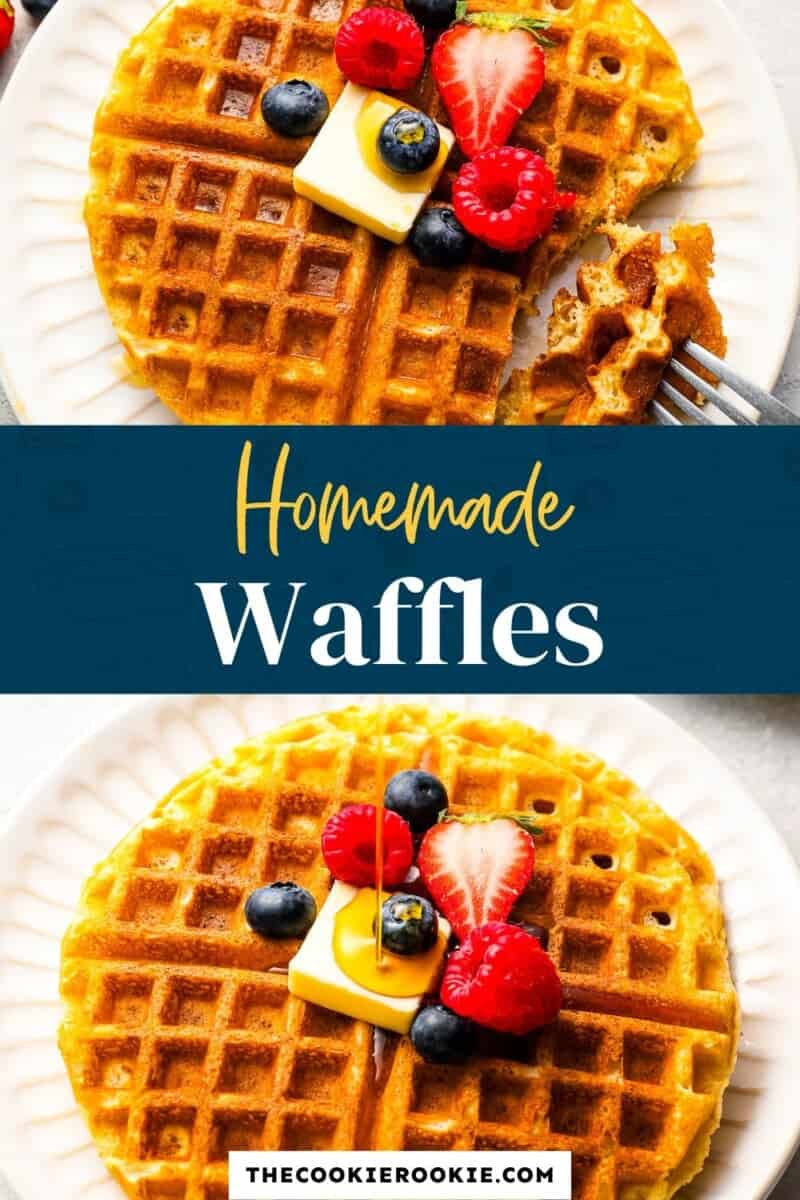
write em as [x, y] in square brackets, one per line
[379, 787]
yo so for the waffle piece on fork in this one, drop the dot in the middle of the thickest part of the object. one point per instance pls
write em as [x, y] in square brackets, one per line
[609, 345]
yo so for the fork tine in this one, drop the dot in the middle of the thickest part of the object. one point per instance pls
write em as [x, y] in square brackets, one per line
[710, 392]
[773, 409]
[685, 404]
[663, 416]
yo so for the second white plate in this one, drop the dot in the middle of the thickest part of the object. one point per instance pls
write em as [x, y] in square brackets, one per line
[60, 360]
[78, 812]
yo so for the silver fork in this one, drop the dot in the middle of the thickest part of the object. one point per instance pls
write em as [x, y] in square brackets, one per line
[771, 410]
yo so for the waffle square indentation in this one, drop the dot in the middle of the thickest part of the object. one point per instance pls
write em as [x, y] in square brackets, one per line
[260, 1008]
[235, 1130]
[642, 1122]
[239, 808]
[214, 906]
[167, 1132]
[148, 901]
[503, 1098]
[124, 1000]
[226, 855]
[650, 959]
[247, 1069]
[162, 849]
[191, 1001]
[645, 1057]
[584, 952]
[319, 272]
[177, 1063]
[578, 1047]
[315, 1075]
[112, 1063]
[575, 1110]
[242, 323]
[313, 1131]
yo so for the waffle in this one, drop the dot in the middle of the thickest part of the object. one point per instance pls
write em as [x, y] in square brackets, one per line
[237, 301]
[182, 1042]
[608, 347]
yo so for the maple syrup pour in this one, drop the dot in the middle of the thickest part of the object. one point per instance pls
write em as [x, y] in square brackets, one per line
[379, 787]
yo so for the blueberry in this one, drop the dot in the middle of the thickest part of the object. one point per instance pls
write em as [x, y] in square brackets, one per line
[38, 8]
[432, 14]
[439, 239]
[408, 141]
[295, 108]
[410, 924]
[281, 910]
[541, 934]
[441, 1036]
[417, 797]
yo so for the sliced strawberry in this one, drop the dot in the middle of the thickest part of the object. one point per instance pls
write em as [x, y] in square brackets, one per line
[488, 68]
[6, 23]
[476, 871]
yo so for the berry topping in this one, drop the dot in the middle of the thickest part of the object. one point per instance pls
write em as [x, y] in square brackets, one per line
[295, 108]
[488, 69]
[508, 198]
[438, 238]
[410, 924]
[501, 978]
[38, 8]
[380, 48]
[281, 910]
[475, 870]
[432, 14]
[441, 1036]
[408, 141]
[7, 22]
[415, 795]
[348, 846]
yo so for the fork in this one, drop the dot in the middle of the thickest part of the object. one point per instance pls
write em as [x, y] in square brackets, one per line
[772, 411]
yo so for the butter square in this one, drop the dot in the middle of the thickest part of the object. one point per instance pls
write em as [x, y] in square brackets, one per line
[315, 975]
[335, 174]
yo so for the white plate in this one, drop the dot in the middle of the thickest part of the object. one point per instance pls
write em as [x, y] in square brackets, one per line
[59, 358]
[80, 809]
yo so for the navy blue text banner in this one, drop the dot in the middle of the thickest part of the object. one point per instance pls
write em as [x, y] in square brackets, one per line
[183, 560]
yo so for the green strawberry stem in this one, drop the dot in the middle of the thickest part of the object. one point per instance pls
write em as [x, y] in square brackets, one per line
[504, 22]
[523, 819]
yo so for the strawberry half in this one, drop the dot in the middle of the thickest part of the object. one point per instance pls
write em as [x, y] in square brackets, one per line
[6, 23]
[475, 870]
[488, 68]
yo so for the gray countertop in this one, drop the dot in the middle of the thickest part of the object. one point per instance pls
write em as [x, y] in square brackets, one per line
[757, 736]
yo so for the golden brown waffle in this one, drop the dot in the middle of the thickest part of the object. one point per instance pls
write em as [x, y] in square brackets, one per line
[182, 1042]
[608, 347]
[238, 301]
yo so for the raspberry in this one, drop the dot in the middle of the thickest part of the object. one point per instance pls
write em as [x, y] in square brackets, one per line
[348, 846]
[501, 978]
[380, 48]
[507, 197]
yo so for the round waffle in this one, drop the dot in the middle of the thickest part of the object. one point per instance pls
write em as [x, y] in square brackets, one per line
[182, 1042]
[239, 301]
